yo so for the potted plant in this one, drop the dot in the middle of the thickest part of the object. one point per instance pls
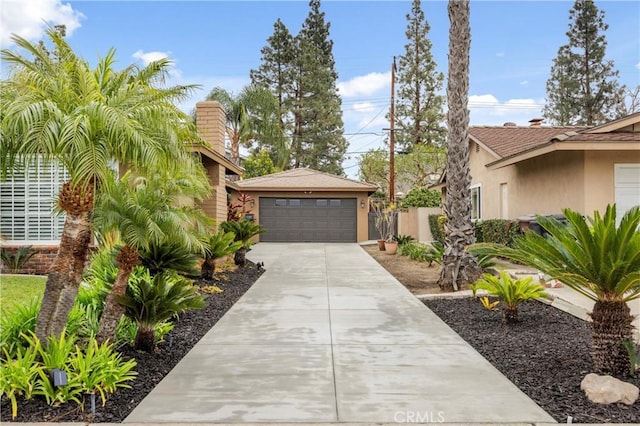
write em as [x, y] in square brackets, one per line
[385, 225]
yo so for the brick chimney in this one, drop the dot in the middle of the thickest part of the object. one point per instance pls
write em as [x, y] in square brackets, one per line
[536, 122]
[210, 121]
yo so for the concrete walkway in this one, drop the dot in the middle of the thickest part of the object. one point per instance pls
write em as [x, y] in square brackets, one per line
[327, 335]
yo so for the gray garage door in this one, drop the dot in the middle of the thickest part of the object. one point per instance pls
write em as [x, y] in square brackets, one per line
[308, 219]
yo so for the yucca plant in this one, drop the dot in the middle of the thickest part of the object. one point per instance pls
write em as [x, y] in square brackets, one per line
[511, 292]
[218, 245]
[244, 230]
[598, 259]
[150, 300]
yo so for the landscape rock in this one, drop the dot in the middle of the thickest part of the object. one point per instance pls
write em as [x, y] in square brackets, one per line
[608, 390]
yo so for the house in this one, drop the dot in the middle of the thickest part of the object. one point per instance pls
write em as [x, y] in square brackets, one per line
[518, 171]
[27, 199]
[305, 205]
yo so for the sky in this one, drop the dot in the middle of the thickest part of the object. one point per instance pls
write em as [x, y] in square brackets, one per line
[217, 43]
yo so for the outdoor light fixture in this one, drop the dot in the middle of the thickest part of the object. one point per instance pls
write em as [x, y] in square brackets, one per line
[362, 204]
[58, 377]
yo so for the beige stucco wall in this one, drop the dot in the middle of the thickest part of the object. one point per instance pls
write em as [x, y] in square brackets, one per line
[579, 180]
[599, 177]
[415, 222]
[362, 199]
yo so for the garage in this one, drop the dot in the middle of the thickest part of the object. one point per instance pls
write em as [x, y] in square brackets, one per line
[309, 219]
[627, 187]
[305, 205]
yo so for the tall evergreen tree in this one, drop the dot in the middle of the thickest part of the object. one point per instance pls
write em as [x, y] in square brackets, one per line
[583, 88]
[419, 107]
[301, 72]
[320, 142]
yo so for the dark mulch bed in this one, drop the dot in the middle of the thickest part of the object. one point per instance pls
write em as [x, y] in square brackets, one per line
[546, 355]
[151, 368]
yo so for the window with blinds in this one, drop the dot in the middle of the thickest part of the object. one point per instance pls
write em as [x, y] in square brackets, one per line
[27, 200]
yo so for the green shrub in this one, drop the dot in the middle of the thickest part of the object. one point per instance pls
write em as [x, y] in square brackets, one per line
[18, 375]
[152, 300]
[403, 239]
[420, 252]
[14, 261]
[436, 226]
[128, 330]
[169, 256]
[96, 369]
[218, 245]
[21, 320]
[511, 292]
[422, 197]
[98, 279]
[499, 231]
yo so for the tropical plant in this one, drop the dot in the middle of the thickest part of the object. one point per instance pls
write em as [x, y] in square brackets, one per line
[244, 231]
[14, 261]
[170, 256]
[150, 300]
[633, 351]
[18, 374]
[249, 115]
[57, 108]
[487, 303]
[21, 320]
[238, 211]
[144, 212]
[219, 245]
[459, 268]
[403, 239]
[511, 292]
[598, 259]
[385, 219]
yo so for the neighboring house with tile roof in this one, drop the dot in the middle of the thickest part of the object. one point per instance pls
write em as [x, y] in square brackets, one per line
[518, 171]
[305, 205]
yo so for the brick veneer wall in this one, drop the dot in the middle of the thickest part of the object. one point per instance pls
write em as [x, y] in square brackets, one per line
[38, 264]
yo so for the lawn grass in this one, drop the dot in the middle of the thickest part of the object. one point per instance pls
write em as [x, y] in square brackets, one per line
[19, 289]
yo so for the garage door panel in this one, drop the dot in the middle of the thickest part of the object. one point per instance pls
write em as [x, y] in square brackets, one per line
[308, 219]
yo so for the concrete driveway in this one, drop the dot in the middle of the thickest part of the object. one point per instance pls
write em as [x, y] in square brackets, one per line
[327, 335]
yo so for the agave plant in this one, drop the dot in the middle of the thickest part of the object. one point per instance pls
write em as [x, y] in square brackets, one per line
[152, 299]
[511, 292]
[598, 259]
[244, 230]
[218, 245]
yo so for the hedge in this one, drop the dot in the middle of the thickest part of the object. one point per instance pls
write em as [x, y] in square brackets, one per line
[499, 231]
[436, 225]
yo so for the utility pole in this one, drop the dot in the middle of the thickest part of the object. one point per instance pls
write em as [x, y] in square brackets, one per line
[392, 137]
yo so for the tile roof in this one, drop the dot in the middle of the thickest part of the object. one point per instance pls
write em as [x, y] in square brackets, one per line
[304, 179]
[508, 141]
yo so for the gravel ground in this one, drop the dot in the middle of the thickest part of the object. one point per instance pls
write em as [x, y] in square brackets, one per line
[151, 368]
[546, 355]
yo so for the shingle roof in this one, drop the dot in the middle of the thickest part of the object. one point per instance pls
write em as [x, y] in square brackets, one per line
[605, 137]
[303, 180]
[508, 141]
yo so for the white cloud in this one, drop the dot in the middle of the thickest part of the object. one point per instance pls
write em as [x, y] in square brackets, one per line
[364, 85]
[148, 57]
[524, 83]
[363, 106]
[500, 54]
[29, 18]
[489, 111]
[638, 65]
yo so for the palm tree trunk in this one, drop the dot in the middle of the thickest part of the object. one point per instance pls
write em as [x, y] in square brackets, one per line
[145, 338]
[240, 257]
[127, 259]
[510, 315]
[66, 271]
[208, 268]
[458, 267]
[611, 326]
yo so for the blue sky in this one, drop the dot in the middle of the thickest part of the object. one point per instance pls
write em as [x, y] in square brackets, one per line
[216, 43]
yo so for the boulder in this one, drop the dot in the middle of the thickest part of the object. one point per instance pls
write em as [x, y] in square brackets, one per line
[608, 390]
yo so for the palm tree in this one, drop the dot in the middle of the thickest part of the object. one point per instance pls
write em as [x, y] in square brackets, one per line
[249, 115]
[596, 259]
[145, 212]
[85, 119]
[458, 266]
[243, 230]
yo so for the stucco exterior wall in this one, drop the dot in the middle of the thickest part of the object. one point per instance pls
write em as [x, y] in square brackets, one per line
[489, 181]
[362, 199]
[599, 179]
